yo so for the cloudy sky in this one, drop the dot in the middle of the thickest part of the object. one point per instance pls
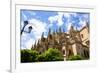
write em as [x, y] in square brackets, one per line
[42, 21]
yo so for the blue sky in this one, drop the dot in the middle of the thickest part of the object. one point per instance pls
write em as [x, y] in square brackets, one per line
[42, 21]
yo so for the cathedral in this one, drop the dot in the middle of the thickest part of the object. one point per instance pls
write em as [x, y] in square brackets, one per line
[74, 42]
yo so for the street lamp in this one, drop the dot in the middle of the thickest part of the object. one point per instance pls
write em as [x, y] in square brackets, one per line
[29, 28]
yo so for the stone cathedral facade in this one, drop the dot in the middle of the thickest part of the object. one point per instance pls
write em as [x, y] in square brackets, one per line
[74, 42]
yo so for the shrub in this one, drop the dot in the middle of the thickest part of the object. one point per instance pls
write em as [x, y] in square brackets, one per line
[53, 55]
[41, 57]
[33, 56]
[28, 55]
[77, 57]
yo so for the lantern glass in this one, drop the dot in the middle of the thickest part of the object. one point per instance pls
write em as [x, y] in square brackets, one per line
[30, 28]
[25, 22]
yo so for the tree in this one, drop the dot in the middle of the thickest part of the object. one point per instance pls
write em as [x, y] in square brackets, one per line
[41, 57]
[53, 55]
[29, 55]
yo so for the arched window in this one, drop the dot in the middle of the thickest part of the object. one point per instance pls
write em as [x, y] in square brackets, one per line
[50, 36]
[63, 52]
[82, 35]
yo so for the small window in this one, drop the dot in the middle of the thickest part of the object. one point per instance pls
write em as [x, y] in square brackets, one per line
[87, 42]
[82, 35]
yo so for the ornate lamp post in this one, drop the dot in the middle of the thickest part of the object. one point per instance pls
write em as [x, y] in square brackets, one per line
[29, 28]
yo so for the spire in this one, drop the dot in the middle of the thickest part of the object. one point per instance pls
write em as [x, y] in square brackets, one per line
[76, 28]
[49, 31]
[38, 43]
[60, 29]
[35, 43]
[32, 47]
[56, 30]
[71, 29]
[42, 35]
[87, 25]
[63, 30]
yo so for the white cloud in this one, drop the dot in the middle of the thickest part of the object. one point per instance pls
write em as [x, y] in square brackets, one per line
[38, 25]
[82, 23]
[57, 18]
[38, 28]
[52, 19]
[86, 17]
[24, 16]
[24, 40]
[31, 12]
[67, 15]
[60, 22]
[68, 26]
[50, 25]
[82, 19]
[30, 43]
[74, 14]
